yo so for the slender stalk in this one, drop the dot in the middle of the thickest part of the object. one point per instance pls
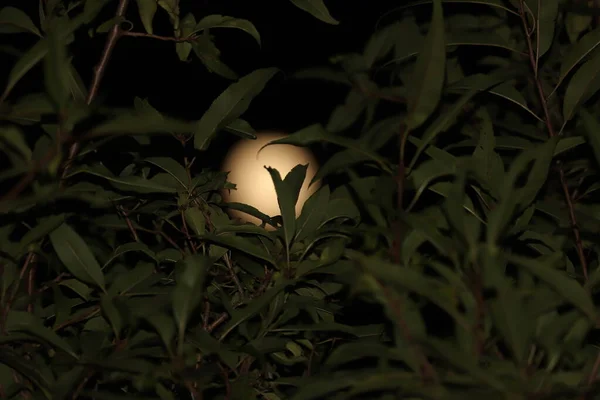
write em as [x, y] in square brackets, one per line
[552, 133]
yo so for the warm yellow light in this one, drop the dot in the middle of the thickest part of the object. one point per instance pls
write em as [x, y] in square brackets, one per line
[254, 184]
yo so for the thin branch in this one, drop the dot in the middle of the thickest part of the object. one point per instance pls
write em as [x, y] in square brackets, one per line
[113, 36]
[234, 277]
[129, 223]
[157, 37]
[552, 133]
[427, 371]
[400, 178]
[217, 322]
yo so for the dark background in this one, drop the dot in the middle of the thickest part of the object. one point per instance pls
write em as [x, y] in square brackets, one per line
[291, 39]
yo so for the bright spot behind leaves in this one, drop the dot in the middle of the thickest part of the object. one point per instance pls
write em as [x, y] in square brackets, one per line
[255, 187]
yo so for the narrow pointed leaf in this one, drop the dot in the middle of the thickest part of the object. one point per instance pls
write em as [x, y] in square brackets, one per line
[230, 105]
[77, 256]
[14, 20]
[582, 86]
[317, 8]
[430, 72]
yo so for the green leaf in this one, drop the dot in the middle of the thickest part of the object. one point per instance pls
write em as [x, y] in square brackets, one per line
[251, 211]
[578, 52]
[241, 128]
[317, 8]
[12, 139]
[490, 167]
[19, 321]
[546, 22]
[16, 361]
[230, 105]
[345, 115]
[492, 3]
[144, 121]
[137, 278]
[220, 21]
[78, 287]
[405, 278]
[128, 247]
[77, 256]
[38, 51]
[209, 54]
[56, 69]
[508, 309]
[67, 382]
[171, 167]
[147, 10]
[453, 356]
[504, 90]
[135, 184]
[340, 161]
[592, 133]
[582, 86]
[545, 269]
[111, 23]
[112, 314]
[164, 326]
[239, 243]
[196, 220]
[316, 134]
[515, 199]
[313, 213]
[189, 291]
[380, 44]
[27, 61]
[429, 73]
[14, 20]
[253, 308]
[287, 197]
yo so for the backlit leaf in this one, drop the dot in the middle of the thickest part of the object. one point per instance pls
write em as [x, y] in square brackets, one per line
[230, 105]
[315, 134]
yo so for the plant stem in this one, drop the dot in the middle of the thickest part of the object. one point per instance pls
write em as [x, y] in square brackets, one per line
[552, 133]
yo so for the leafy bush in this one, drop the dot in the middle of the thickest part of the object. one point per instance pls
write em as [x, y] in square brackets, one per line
[455, 255]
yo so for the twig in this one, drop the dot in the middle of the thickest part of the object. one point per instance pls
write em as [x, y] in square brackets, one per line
[99, 69]
[234, 277]
[78, 318]
[222, 318]
[29, 260]
[113, 35]
[31, 286]
[427, 371]
[129, 224]
[552, 133]
[157, 37]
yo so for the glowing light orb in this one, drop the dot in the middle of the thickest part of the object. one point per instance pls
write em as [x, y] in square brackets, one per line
[246, 167]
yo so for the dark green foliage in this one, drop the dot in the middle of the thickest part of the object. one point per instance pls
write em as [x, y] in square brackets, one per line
[461, 264]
